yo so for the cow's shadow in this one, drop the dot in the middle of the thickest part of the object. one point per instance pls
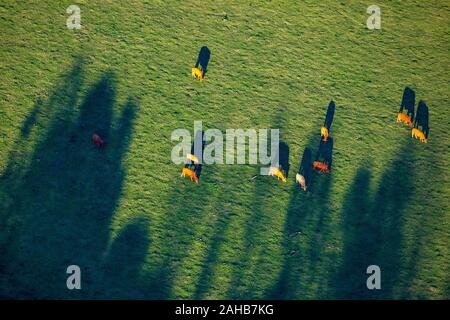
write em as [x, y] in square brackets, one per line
[422, 118]
[325, 152]
[408, 102]
[203, 59]
[284, 158]
[305, 168]
[330, 115]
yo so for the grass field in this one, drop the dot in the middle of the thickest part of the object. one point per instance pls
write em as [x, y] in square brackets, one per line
[138, 230]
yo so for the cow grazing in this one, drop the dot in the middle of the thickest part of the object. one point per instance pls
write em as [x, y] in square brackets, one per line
[189, 173]
[324, 133]
[322, 167]
[98, 140]
[276, 172]
[197, 73]
[416, 133]
[402, 117]
[301, 181]
[324, 157]
[303, 177]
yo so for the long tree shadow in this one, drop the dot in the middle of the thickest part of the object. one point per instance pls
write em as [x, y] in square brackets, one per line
[18, 184]
[218, 238]
[306, 223]
[305, 169]
[223, 225]
[255, 225]
[59, 205]
[372, 230]
[301, 207]
[122, 265]
[187, 205]
[258, 223]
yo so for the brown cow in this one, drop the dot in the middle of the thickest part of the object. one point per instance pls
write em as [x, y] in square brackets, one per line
[98, 140]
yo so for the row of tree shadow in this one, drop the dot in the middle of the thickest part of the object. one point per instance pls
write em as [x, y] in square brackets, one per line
[371, 225]
[57, 206]
[58, 201]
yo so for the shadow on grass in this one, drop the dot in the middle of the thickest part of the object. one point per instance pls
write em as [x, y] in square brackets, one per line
[284, 157]
[255, 225]
[306, 222]
[254, 262]
[31, 119]
[187, 209]
[325, 152]
[123, 263]
[422, 118]
[408, 102]
[223, 224]
[217, 240]
[58, 202]
[330, 115]
[305, 169]
[372, 230]
[203, 59]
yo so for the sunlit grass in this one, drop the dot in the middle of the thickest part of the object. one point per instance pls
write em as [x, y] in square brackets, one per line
[274, 64]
